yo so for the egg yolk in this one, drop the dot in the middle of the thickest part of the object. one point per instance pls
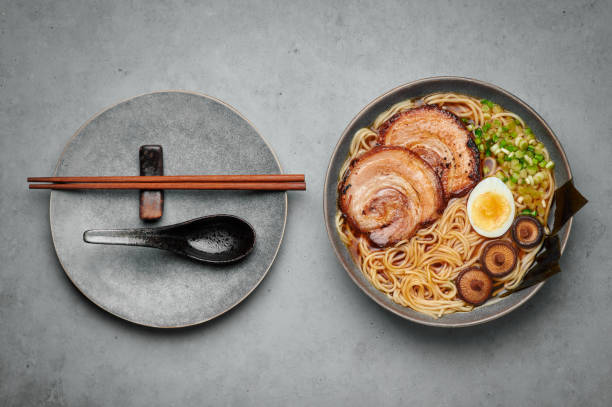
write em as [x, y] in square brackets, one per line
[490, 210]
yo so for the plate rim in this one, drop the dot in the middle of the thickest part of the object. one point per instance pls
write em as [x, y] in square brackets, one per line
[331, 230]
[105, 109]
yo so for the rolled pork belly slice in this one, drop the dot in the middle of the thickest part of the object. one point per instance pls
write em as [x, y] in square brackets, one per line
[388, 193]
[441, 139]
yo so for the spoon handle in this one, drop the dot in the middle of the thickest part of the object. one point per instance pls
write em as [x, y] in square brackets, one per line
[128, 237]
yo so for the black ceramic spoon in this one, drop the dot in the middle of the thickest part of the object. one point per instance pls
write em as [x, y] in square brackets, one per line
[211, 239]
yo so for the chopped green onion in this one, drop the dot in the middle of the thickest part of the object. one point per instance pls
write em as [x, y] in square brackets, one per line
[538, 157]
[481, 148]
[550, 164]
[486, 127]
[487, 102]
[539, 177]
[478, 132]
[532, 169]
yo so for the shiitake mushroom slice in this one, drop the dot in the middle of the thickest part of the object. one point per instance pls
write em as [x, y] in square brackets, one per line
[527, 231]
[498, 258]
[474, 286]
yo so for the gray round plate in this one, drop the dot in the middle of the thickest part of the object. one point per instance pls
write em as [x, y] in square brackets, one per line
[495, 308]
[199, 135]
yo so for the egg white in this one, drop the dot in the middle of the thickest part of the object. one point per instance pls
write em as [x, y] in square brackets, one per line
[495, 185]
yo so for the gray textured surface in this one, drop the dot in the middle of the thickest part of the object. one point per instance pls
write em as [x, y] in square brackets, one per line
[307, 335]
[200, 136]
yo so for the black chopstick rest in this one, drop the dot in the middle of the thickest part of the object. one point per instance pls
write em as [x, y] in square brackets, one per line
[151, 163]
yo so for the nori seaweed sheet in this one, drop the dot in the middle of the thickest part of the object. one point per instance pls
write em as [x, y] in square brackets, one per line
[568, 201]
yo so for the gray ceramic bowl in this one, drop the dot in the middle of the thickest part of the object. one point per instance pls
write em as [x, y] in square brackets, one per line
[419, 88]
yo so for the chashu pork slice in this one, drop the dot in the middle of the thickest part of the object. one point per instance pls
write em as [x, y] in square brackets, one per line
[388, 193]
[441, 139]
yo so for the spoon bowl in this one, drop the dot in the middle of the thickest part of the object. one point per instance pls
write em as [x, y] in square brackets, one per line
[215, 239]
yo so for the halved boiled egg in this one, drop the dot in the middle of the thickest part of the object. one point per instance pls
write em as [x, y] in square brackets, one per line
[490, 207]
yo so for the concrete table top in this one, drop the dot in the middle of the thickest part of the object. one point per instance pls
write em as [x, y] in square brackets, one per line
[299, 72]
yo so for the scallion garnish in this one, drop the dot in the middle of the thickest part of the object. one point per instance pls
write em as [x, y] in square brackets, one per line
[487, 102]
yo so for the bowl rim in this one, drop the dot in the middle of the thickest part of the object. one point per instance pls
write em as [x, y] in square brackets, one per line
[331, 228]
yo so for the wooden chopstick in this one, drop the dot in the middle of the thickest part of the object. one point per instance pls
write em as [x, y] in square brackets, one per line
[177, 178]
[266, 186]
